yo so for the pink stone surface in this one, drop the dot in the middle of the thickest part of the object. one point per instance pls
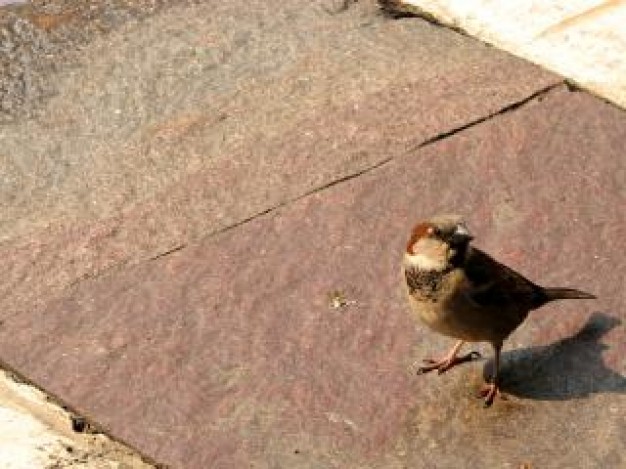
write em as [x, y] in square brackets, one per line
[228, 353]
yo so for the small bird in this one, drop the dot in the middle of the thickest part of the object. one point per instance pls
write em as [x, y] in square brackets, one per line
[462, 292]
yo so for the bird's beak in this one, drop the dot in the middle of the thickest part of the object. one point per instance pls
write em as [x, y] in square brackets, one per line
[461, 234]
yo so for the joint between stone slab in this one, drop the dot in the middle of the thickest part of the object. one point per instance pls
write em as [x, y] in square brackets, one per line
[87, 425]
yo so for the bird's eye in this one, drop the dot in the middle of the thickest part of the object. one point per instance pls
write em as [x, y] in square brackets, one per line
[433, 231]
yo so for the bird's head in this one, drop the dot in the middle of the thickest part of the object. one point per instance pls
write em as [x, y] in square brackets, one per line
[438, 243]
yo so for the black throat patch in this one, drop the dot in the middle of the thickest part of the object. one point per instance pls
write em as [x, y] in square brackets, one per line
[425, 283]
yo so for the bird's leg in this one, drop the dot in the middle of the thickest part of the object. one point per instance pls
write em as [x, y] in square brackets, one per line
[447, 362]
[492, 389]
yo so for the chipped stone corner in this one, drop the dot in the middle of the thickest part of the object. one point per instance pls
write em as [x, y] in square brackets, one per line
[37, 432]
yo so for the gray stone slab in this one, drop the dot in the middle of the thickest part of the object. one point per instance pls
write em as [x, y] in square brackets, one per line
[229, 352]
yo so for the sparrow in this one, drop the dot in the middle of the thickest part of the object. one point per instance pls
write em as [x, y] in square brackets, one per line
[459, 291]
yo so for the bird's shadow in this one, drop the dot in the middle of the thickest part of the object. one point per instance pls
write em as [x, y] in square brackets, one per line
[568, 369]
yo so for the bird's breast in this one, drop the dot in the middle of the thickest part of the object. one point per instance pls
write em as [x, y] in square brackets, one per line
[437, 299]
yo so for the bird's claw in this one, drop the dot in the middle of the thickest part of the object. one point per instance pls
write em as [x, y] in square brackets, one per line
[444, 365]
[489, 392]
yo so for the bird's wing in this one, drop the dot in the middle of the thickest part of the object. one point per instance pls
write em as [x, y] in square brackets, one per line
[496, 285]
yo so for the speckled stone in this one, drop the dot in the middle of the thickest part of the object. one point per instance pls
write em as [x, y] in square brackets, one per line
[235, 350]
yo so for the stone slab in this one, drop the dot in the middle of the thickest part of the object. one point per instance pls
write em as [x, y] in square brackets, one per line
[239, 351]
[583, 40]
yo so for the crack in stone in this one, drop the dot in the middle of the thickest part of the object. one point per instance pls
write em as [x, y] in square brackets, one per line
[511, 107]
[176, 248]
[441, 136]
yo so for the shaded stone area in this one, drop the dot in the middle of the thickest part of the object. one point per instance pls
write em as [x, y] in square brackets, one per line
[285, 342]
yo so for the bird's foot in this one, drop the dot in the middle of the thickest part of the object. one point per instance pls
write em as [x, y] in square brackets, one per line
[445, 364]
[489, 392]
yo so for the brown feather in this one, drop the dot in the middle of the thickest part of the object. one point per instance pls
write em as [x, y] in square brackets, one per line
[419, 231]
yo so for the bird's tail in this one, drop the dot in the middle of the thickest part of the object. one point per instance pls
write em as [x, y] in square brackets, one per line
[567, 293]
